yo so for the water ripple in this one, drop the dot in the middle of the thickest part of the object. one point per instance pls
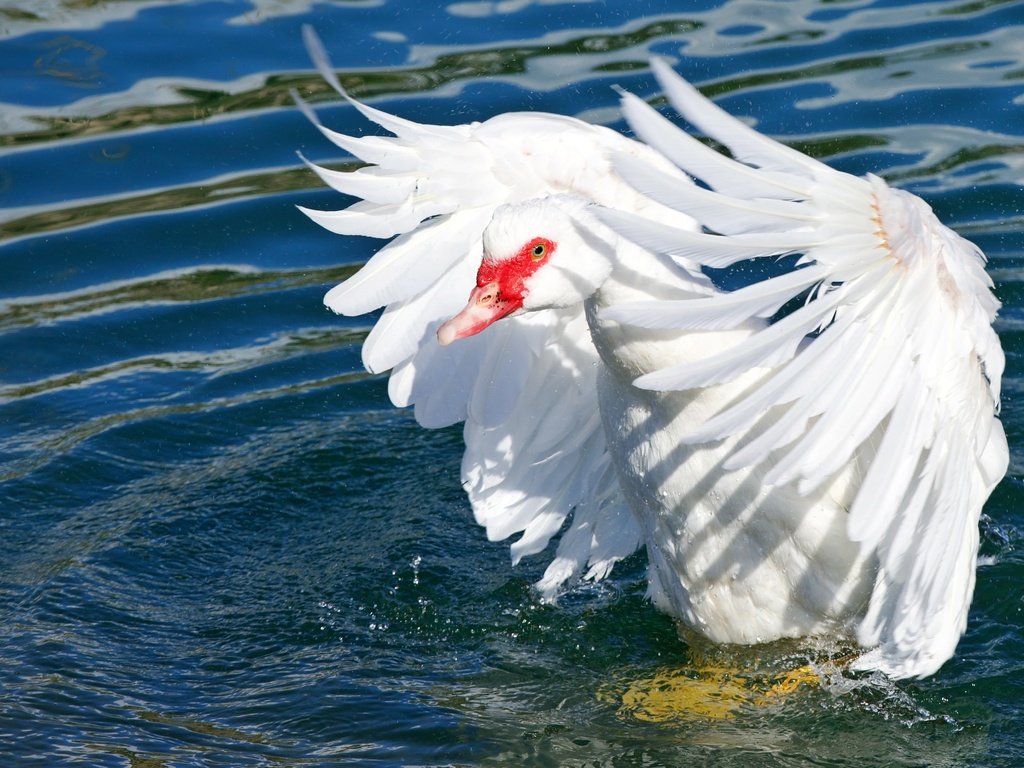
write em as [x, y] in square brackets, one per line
[222, 546]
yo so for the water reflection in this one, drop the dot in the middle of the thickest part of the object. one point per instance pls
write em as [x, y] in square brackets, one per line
[895, 68]
[206, 283]
[63, 217]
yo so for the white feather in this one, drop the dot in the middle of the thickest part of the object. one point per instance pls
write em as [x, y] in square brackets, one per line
[872, 404]
[526, 468]
[367, 183]
[721, 312]
[398, 271]
[728, 216]
[901, 378]
[721, 173]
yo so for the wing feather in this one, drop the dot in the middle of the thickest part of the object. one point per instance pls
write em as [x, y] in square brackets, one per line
[365, 183]
[891, 365]
[745, 143]
[768, 348]
[530, 462]
[398, 271]
[709, 251]
[721, 173]
[726, 311]
[728, 216]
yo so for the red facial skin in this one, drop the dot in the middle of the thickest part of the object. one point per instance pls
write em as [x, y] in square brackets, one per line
[500, 290]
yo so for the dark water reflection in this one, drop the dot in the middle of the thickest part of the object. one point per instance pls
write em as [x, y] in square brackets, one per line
[220, 545]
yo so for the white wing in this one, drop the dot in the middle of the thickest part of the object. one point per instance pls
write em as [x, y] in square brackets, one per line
[890, 361]
[525, 387]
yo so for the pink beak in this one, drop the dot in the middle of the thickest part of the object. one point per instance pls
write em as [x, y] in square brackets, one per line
[484, 308]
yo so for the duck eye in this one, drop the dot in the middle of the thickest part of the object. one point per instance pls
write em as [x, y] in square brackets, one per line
[539, 251]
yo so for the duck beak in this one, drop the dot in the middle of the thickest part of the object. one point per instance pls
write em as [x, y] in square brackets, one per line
[485, 307]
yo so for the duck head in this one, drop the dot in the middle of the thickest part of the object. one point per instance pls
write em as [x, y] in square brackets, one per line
[540, 254]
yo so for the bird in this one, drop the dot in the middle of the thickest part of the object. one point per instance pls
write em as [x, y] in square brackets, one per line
[804, 456]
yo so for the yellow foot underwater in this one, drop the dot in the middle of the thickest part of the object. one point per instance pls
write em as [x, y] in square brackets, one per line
[706, 692]
[788, 683]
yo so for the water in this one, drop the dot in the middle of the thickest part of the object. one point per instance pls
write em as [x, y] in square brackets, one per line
[220, 545]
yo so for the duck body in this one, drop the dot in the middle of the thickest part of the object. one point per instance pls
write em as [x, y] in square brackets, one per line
[732, 557]
[735, 559]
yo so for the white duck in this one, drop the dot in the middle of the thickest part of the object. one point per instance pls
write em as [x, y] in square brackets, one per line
[784, 484]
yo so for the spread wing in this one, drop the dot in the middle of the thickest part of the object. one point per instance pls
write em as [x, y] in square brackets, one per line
[890, 359]
[525, 388]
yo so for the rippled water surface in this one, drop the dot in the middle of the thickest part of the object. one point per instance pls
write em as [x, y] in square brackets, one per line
[219, 543]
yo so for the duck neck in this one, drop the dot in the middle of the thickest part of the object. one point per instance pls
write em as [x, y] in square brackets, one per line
[638, 275]
[633, 274]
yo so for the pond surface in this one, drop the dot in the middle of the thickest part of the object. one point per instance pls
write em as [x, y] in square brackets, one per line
[219, 543]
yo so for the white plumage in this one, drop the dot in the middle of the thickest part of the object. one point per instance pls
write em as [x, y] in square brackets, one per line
[819, 473]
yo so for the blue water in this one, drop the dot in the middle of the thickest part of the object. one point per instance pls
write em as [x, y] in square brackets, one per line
[221, 546]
